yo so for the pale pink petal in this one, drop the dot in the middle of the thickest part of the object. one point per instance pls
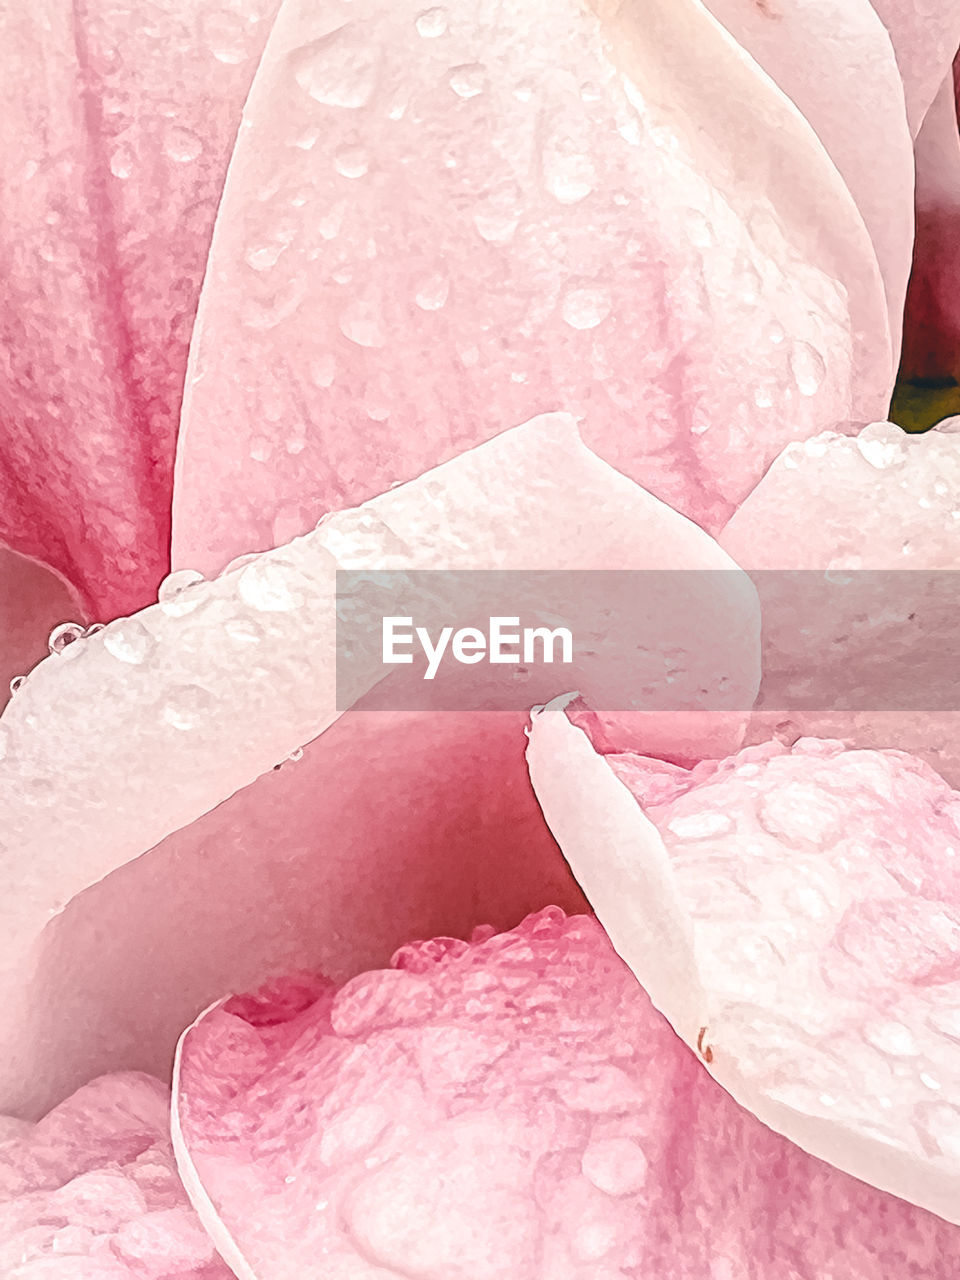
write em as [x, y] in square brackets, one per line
[33, 600]
[822, 893]
[834, 59]
[198, 697]
[442, 219]
[882, 501]
[931, 348]
[92, 1192]
[117, 125]
[925, 38]
[510, 1109]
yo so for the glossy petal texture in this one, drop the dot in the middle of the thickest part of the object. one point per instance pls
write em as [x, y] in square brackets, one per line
[834, 59]
[118, 122]
[222, 680]
[882, 501]
[932, 332]
[33, 600]
[926, 37]
[824, 900]
[442, 219]
[92, 1192]
[512, 1109]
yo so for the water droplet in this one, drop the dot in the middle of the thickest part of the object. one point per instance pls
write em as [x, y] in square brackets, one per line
[361, 323]
[893, 1038]
[433, 291]
[763, 397]
[616, 1166]
[128, 641]
[265, 585]
[568, 171]
[586, 308]
[181, 592]
[339, 69]
[17, 683]
[122, 162]
[807, 367]
[243, 631]
[65, 634]
[351, 160]
[469, 80]
[182, 145]
[700, 229]
[264, 256]
[225, 37]
[267, 311]
[186, 706]
[296, 755]
[882, 445]
[432, 23]
[706, 825]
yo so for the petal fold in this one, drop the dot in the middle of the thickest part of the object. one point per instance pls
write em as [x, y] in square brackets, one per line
[820, 888]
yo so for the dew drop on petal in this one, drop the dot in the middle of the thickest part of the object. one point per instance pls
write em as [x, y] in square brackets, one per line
[186, 706]
[339, 70]
[65, 634]
[433, 291]
[182, 145]
[243, 631]
[469, 80]
[129, 641]
[808, 368]
[264, 585]
[586, 308]
[178, 593]
[432, 23]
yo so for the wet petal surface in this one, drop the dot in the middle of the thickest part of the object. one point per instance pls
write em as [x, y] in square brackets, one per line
[438, 220]
[510, 1109]
[118, 122]
[92, 1192]
[822, 891]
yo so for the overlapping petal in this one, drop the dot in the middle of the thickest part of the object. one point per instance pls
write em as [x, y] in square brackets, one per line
[823, 899]
[118, 123]
[880, 516]
[437, 220]
[508, 1109]
[204, 693]
[834, 60]
[92, 1192]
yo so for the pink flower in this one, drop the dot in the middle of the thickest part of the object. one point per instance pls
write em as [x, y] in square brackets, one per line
[444, 235]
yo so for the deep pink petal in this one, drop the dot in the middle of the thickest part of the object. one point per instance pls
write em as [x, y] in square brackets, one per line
[117, 125]
[834, 59]
[33, 600]
[821, 901]
[440, 221]
[508, 1110]
[201, 695]
[92, 1192]
[931, 347]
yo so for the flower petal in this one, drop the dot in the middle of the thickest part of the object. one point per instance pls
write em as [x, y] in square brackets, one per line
[931, 349]
[118, 123]
[849, 89]
[440, 220]
[504, 1110]
[32, 602]
[926, 38]
[825, 910]
[201, 695]
[883, 512]
[92, 1193]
